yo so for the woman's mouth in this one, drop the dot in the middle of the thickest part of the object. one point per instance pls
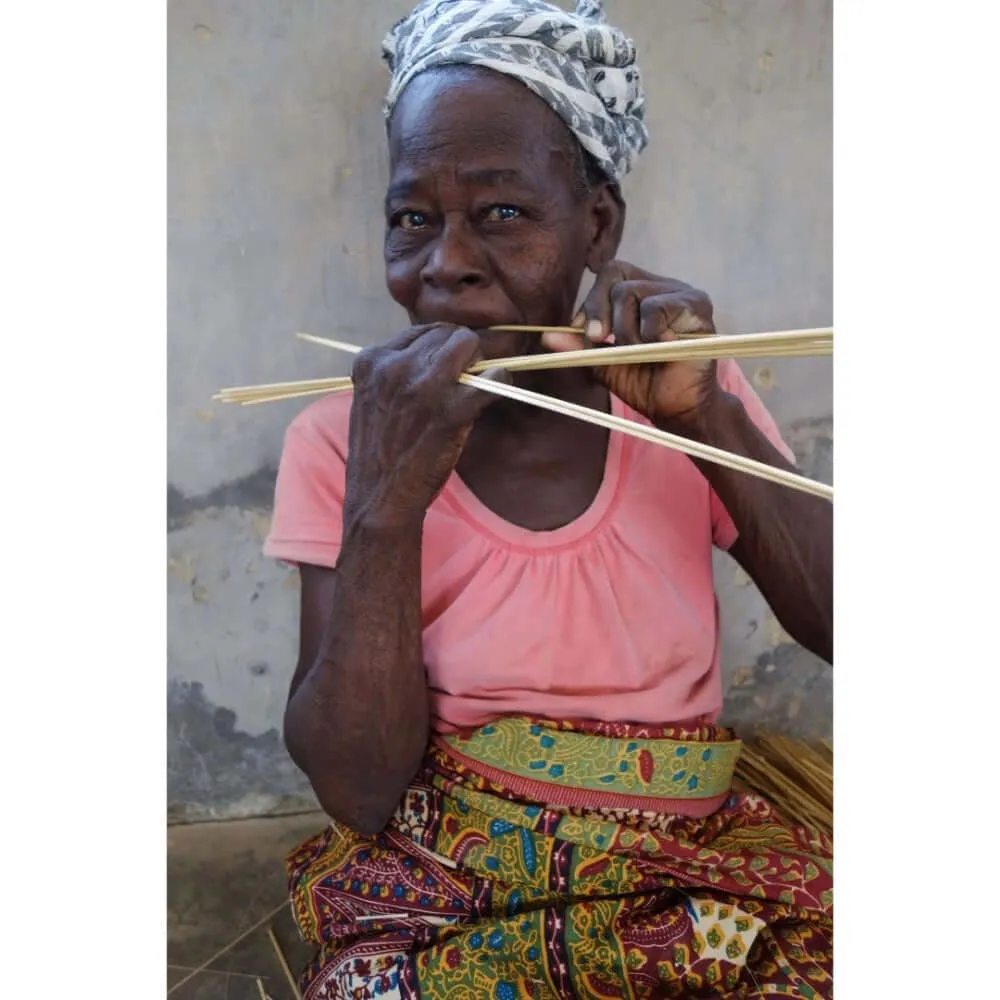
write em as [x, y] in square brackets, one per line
[508, 343]
[494, 343]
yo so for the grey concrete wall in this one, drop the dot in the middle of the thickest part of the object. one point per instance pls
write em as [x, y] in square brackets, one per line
[276, 173]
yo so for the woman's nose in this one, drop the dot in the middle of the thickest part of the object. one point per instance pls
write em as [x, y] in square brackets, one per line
[455, 261]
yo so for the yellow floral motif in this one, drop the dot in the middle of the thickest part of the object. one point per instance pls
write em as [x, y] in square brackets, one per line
[635, 959]
[735, 948]
[723, 931]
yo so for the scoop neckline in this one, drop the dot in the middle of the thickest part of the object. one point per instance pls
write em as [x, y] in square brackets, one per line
[486, 521]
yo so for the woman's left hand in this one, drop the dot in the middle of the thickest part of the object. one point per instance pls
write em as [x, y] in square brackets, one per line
[636, 307]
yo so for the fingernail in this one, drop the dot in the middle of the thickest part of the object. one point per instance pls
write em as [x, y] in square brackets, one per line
[595, 331]
[578, 319]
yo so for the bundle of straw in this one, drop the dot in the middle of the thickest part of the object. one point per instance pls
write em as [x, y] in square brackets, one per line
[793, 343]
[795, 776]
[786, 344]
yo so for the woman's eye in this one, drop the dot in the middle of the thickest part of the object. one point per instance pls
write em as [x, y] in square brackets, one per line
[502, 213]
[411, 221]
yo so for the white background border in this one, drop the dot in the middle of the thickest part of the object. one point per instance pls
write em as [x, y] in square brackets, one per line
[84, 430]
[83, 420]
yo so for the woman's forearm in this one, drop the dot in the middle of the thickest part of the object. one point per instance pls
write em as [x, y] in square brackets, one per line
[785, 536]
[357, 723]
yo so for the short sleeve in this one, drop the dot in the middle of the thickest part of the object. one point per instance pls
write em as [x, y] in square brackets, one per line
[309, 496]
[732, 380]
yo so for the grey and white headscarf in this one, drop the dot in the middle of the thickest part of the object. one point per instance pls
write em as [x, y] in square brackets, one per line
[581, 67]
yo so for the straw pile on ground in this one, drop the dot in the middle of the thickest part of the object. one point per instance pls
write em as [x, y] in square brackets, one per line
[795, 776]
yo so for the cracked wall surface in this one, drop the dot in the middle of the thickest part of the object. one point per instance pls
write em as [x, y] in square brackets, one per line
[276, 175]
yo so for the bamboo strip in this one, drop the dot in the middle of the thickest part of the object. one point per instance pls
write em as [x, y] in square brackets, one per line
[787, 344]
[232, 944]
[296, 992]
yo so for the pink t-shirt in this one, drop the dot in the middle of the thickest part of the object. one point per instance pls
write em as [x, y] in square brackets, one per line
[611, 617]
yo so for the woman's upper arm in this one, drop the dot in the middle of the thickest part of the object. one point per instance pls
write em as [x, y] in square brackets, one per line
[733, 381]
[316, 590]
[306, 524]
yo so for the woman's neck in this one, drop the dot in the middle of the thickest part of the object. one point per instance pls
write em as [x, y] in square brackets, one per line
[534, 468]
[573, 385]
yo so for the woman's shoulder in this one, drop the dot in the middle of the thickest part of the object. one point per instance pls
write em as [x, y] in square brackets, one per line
[324, 424]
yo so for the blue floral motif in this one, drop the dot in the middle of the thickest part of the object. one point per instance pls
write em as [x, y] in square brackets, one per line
[528, 850]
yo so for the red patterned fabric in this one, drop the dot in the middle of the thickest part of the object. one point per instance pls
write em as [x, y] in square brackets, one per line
[473, 892]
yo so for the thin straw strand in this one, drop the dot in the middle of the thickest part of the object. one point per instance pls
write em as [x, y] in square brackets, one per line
[296, 992]
[518, 328]
[305, 383]
[281, 397]
[232, 944]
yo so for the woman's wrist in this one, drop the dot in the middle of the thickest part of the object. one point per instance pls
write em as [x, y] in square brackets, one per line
[706, 422]
[381, 523]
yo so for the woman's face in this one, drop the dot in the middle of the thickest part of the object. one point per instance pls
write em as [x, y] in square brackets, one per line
[487, 220]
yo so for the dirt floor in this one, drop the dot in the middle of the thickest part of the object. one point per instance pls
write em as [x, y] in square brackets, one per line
[221, 879]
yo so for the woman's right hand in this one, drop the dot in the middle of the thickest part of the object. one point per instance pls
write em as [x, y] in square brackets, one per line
[409, 422]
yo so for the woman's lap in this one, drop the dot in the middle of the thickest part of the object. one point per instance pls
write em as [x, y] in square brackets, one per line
[477, 894]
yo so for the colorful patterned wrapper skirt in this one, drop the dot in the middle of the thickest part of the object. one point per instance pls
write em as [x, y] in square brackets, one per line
[556, 860]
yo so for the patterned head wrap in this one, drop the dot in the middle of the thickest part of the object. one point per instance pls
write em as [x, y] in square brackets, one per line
[581, 67]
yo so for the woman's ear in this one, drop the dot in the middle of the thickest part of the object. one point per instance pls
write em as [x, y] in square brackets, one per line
[607, 223]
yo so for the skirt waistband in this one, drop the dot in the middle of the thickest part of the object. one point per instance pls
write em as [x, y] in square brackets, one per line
[615, 767]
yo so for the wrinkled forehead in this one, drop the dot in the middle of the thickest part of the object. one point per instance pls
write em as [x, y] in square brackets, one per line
[465, 114]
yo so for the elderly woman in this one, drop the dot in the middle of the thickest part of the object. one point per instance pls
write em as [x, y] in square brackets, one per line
[508, 682]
